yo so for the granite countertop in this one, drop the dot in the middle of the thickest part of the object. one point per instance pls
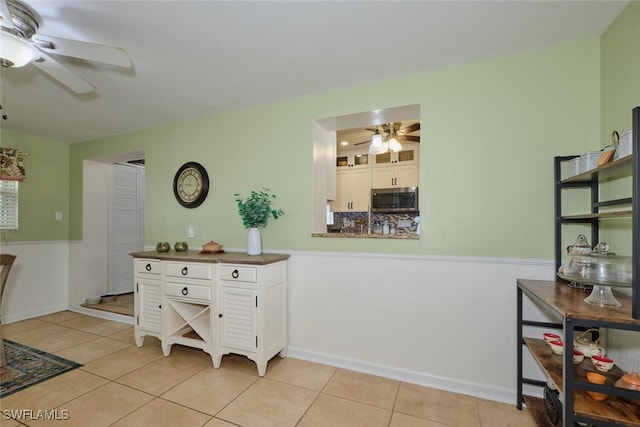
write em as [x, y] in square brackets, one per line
[368, 236]
[225, 257]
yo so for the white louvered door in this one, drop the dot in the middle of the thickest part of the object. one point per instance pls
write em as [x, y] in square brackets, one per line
[127, 225]
[148, 317]
[238, 320]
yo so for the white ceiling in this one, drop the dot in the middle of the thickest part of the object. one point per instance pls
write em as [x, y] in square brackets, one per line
[195, 58]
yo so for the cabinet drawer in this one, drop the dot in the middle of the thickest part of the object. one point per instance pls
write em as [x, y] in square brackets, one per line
[191, 271]
[237, 273]
[200, 292]
[147, 266]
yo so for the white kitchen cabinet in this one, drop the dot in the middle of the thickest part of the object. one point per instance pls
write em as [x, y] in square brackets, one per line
[252, 311]
[396, 169]
[353, 190]
[147, 300]
[188, 301]
[397, 175]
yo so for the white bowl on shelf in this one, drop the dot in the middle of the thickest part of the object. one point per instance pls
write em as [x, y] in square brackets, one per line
[557, 347]
[550, 336]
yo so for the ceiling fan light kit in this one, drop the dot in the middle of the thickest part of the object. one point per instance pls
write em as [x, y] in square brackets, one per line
[20, 44]
[14, 51]
[19, 23]
[380, 145]
[377, 145]
[394, 145]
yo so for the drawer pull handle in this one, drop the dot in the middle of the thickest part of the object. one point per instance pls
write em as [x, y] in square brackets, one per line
[185, 291]
[148, 267]
[235, 274]
[220, 315]
[185, 271]
[160, 306]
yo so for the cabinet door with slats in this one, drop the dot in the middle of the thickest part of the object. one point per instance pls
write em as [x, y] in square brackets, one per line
[237, 315]
[148, 304]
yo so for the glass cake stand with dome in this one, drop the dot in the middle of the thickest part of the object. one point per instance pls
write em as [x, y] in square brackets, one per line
[601, 269]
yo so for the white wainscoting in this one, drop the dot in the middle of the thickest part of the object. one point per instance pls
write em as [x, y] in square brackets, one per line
[443, 322]
[38, 283]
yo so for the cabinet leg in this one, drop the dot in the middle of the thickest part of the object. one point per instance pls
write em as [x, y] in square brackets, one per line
[139, 340]
[283, 353]
[262, 368]
[217, 360]
[166, 350]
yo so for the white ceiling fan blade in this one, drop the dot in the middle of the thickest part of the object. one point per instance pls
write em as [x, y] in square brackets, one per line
[84, 50]
[63, 75]
[7, 21]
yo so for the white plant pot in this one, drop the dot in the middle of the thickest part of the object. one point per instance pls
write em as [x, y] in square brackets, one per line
[254, 242]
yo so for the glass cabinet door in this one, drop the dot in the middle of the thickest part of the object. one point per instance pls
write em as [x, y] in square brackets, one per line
[360, 159]
[403, 156]
[352, 159]
[383, 158]
[406, 155]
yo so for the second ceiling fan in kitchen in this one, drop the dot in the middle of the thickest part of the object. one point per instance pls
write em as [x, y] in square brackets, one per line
[392, 134]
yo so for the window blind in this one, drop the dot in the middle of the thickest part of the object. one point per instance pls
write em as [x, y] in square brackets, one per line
[8, 205]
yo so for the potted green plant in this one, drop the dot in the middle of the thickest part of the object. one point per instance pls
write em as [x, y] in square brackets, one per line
[255, 211]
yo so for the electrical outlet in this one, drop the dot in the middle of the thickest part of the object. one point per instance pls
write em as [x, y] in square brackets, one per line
[191, 232]
[58, 216]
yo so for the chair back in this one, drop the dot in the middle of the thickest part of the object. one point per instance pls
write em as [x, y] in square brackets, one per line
[6, 261]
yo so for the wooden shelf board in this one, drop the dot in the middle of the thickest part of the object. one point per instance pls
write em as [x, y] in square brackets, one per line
[536, 408]
[569, 303]
[552, 364]
[612, 409]
[618, 167]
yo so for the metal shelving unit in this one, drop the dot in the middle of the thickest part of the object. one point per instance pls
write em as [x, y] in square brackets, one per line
[566, 304]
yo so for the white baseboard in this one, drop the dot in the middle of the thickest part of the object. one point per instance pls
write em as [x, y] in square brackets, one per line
[31, 314]
[102, 314]
[476, 390]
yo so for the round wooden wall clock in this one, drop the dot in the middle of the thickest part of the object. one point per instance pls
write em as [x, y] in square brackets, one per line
[191, 185]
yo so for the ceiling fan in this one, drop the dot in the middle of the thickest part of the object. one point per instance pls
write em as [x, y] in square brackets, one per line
[394, 130]
[20, 44]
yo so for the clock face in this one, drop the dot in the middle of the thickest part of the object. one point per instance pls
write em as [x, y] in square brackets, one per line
[191, 185]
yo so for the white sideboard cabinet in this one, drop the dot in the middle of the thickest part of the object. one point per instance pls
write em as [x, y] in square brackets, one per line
[223, 303]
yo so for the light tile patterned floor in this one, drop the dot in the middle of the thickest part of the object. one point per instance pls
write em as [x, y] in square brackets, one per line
[122, 385]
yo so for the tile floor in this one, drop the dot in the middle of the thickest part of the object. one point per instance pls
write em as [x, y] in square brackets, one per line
[122, 385]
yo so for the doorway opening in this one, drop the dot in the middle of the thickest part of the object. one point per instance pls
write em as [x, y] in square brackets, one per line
[113, 227]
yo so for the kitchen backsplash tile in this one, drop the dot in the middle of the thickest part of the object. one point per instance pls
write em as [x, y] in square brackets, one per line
[357, 222]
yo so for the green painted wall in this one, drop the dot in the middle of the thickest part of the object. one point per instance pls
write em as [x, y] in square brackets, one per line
[620, 69]
[620, 87]
[44, 191]
[489, 132]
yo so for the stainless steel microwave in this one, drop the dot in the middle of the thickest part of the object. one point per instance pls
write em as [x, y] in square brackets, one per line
[390, 200]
